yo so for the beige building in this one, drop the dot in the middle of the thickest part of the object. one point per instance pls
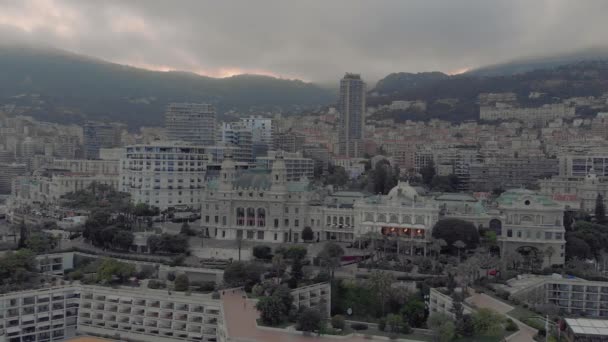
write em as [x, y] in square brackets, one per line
[532, 226]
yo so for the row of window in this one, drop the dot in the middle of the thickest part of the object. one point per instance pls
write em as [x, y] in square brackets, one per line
[394, 218]
[538, 235]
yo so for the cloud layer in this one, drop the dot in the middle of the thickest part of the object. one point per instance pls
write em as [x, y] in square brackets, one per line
[315, 40]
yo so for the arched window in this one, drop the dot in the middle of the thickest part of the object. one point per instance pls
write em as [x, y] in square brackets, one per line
[240, 216]
[341, 221]
[496, 226]
[406, 219]
[261, 217]
[394, 218]
[381, 218]
[250, 217]
[348, 221]
[369, 217]
[419, 219]
[335, 221]
[329, 220]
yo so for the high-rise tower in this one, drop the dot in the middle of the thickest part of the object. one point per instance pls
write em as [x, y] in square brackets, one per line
[351, 105]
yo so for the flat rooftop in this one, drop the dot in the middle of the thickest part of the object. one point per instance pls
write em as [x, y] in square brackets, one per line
[588, 326]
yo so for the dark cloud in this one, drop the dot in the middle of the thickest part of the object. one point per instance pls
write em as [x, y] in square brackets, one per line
[315, 40]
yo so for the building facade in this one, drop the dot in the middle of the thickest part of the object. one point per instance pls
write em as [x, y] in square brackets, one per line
[351, 105]
[59, 313]
[191, 122]
[164, 174]
[532, 226]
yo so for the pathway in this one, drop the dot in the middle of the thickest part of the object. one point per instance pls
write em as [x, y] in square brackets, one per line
[481, 300]
[240, 316]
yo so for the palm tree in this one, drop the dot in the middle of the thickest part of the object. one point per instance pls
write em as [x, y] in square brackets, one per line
[459, 245]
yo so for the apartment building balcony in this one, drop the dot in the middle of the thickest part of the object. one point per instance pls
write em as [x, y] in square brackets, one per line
[198, 308]
[125, 310]
[88, 296]
[152, 314]
[195, 319]
[113, 308]
[154, 304]
[211, 321]
[180, 317]
[100, 298]
[168, 305]
[182, 307]
[166, 315]
[153, 324]
[179, 327]
[213, 312]
[164, 325]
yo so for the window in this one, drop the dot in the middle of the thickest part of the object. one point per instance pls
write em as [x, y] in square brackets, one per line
[250, 217]
[216, 219]
[393, 218]
[275, 236]
[519, 233]
[286, 222]
[509, 233]
[406, 219]
[206, 218]
[276, 223]
[224, 220]
[240, 216]
[260, 235]
[250, 234]
[261, 217]
[548, 235]
[558, 236]
[296, 223]
[329, 220]
[369, 217]
[223, 233]
[381, 218]
[419, 219]
[286, 210]
[297, 210]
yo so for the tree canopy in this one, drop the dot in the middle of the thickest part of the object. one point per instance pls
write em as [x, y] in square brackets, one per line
[452, 230]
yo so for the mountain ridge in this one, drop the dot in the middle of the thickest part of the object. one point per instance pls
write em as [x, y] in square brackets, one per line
[72, 87]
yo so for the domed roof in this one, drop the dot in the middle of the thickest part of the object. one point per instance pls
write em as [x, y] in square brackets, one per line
[403, 190]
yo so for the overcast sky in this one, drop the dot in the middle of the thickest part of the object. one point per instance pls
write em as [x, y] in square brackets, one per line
[315, 40]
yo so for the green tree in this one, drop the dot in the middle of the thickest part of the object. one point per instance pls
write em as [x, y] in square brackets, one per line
[297, 272]
[600, 209]
[465, 326]
[112, 270]
[452, 230]
[310, 320]
[17, 268]
[241, 273]
[123, 240]
[307, 234]
[487, 322]
[262, 252]
[394, 323]
[414, 311]
[271, 310]
[182, 283]
[331, 256]
[442, 326]
[41, 242]
[380, 284]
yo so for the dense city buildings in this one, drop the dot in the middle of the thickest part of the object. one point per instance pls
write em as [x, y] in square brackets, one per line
[351, 105]
[191, 122]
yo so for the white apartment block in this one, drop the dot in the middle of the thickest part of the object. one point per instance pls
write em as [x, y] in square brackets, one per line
[441, 302]
[164, 174]
[579, 165]
[572, 296]
[261, 129]
[191, 122]
[540, 115]
[313, 296]
[58, 313]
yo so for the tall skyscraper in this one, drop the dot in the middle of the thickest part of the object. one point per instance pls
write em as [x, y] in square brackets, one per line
[351, 105]
[191, 122]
